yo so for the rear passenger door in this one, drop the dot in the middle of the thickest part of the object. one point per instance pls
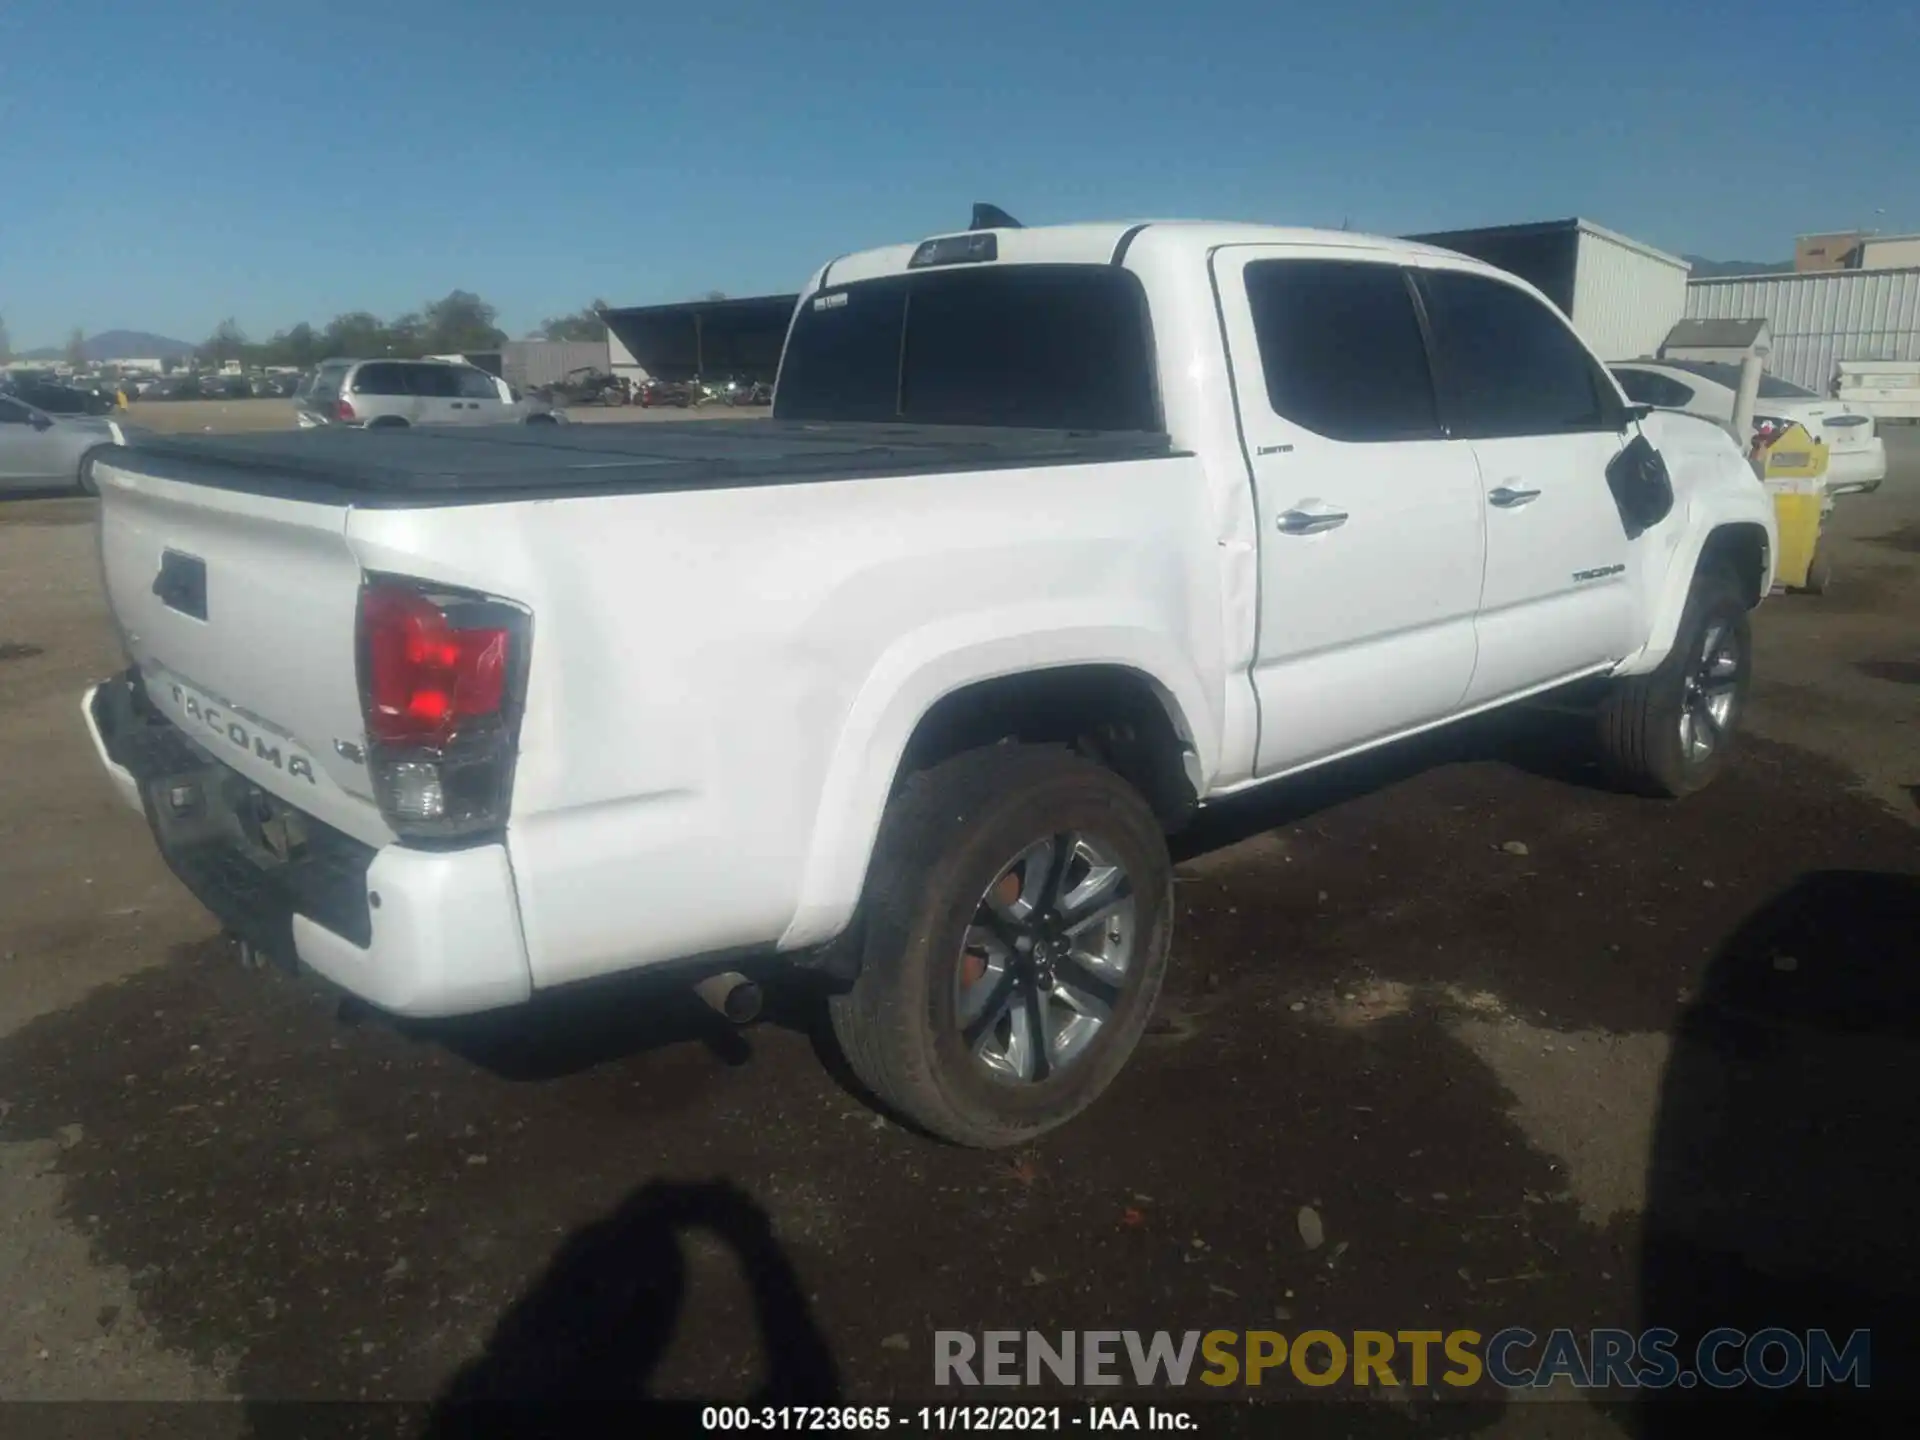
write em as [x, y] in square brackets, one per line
[1544, 420]
[1371, 531]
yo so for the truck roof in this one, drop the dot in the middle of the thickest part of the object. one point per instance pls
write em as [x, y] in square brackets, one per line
[1107, 242]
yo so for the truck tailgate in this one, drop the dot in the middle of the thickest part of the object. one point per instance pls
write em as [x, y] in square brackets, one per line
[239, 610]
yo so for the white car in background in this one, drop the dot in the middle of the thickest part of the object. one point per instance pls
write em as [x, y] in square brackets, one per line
[1856, 455]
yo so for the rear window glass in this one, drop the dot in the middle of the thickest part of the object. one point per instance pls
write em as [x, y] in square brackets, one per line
[325, 384]
[1771, 386]
[1044, 346]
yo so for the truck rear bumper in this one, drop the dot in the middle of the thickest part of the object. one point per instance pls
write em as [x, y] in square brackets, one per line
[416, 932]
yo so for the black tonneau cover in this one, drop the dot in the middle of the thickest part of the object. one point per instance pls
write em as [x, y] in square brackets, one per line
[476, 465]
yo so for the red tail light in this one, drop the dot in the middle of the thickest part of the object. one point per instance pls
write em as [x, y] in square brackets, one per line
[342, 410]
[441, 683]
[423, 676]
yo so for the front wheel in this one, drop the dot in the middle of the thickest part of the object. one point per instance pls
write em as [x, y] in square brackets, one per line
[1018, 918]
[1668, 732]
[85, 478]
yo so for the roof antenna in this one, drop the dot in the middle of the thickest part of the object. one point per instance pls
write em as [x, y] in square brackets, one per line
[991, 217]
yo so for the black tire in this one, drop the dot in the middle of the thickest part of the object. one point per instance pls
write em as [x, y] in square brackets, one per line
[1641, 742]
[952, 832]
[388, 422]
[541, 420]
[84, 477]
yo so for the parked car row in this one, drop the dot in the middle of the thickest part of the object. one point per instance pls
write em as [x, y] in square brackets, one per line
[56, 397]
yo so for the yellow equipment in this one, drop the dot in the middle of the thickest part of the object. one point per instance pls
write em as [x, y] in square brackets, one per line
[1793, 466]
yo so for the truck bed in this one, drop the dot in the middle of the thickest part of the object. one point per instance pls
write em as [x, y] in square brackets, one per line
[425, 466]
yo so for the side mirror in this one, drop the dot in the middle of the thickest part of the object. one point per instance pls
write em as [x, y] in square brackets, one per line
[1638, 412]
[42, 421]
[1642, 489]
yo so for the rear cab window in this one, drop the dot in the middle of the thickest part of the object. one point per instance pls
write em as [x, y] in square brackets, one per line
[1066, 347]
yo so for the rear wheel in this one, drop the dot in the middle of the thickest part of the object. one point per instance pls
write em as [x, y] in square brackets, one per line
[1668, 732]
[1019, 914]
[541, 420]
[387, 422]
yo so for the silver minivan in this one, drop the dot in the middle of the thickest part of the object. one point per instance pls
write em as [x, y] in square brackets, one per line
[379, 394]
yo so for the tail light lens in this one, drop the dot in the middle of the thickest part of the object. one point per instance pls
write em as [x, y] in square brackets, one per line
[442, 682]
[343, 410]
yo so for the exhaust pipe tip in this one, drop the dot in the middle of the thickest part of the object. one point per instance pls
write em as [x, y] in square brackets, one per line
[732, 995]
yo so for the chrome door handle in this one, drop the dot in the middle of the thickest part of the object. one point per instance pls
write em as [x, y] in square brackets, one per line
[1308, 522]
[1508, 498]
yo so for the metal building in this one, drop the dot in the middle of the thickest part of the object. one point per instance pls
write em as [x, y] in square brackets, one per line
[708, 339]
[1820, 318]
[1622, 296]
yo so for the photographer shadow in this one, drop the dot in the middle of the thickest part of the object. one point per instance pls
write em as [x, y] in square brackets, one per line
[580, 1351]
[1784, 1180]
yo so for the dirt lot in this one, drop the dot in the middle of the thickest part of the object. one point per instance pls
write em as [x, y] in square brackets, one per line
[1532, 1052]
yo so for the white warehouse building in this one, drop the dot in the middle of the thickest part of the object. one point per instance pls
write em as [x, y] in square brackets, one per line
[1819, 318]
[1622, 296]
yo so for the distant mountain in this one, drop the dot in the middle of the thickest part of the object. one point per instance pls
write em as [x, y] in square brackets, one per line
[1705, 269]
[119, 345]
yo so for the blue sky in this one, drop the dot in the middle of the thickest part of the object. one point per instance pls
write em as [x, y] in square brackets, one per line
[176, 162]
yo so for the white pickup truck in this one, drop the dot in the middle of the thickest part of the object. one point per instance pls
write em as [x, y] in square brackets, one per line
[1054, 535]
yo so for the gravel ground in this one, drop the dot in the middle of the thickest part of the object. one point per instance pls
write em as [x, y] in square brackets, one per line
[1532, 1053]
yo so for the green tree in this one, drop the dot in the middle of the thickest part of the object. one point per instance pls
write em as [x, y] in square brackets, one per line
[228, 342]
[714, 295]
[357, 335]
[77, 347]
[587, 324]
[6, 341]
[300, 346]
[458, 322]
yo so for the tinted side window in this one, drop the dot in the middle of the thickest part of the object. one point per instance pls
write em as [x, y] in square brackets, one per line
[12, 413]
[439, 382]
[1507, 364]
[381, 380]
[477, 385]
[1341, 349]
